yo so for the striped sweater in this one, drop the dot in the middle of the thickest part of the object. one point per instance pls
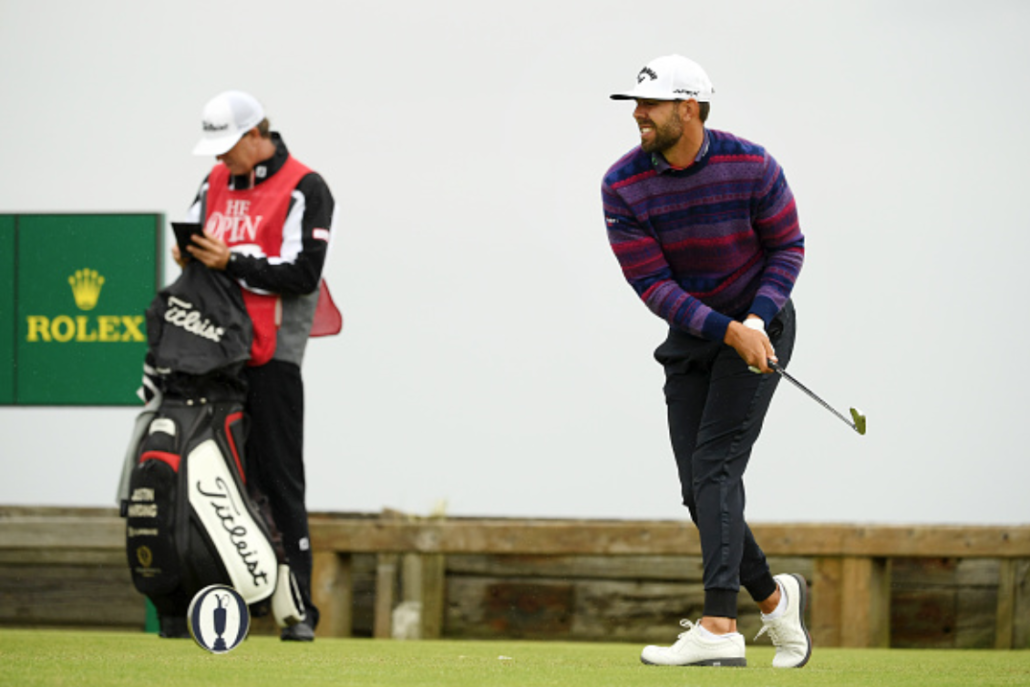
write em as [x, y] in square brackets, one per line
[704, 245]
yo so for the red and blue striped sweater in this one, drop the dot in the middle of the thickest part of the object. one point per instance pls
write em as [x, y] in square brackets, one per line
[707, 244]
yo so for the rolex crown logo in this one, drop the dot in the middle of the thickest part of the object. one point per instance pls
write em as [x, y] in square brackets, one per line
[86, 286]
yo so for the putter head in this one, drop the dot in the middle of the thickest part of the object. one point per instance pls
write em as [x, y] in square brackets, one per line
[859, 419]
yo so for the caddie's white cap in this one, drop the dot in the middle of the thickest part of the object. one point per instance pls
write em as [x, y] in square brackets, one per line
[672, 77]
[226, 118]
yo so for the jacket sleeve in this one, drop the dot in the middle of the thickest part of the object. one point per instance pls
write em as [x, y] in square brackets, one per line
[196, 211]
[306, 233]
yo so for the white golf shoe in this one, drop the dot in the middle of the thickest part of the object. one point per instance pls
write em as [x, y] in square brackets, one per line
[787, 631]
[692, 649]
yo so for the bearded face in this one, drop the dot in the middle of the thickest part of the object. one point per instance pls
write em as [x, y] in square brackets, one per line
[660, 124]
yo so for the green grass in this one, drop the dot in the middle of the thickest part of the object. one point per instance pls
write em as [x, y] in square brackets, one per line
[110, 659]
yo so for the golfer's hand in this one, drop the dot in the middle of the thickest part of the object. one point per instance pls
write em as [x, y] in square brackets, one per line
[752, 345]
[210, 250]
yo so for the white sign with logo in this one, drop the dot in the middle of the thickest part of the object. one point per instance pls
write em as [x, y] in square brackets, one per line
[218, 619]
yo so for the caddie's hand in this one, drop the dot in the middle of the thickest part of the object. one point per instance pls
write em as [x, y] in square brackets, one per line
[178, 257]
[210, 250]
[752, 344]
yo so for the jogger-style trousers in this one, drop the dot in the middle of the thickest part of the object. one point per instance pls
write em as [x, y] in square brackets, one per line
[716, 407]
[275, 460]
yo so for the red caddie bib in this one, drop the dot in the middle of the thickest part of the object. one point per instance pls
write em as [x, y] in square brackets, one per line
[251, 222]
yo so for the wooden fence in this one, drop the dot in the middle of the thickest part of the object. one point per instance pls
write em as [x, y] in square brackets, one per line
[387, 575]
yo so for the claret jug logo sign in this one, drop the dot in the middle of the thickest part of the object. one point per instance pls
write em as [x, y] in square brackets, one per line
[86, 287]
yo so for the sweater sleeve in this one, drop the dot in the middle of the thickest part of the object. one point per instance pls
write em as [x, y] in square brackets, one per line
[306, 233]
[776, 224]
[646, 269]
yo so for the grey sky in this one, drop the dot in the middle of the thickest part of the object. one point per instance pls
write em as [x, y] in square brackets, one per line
[493, 356]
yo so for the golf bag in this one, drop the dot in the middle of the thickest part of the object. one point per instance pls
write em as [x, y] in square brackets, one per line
[191, 518]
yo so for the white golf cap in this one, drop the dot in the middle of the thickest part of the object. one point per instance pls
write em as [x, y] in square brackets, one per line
[226, 118]
[672, 77]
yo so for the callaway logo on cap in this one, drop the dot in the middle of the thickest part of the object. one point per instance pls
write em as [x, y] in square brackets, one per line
[672, 77]
[226, 118]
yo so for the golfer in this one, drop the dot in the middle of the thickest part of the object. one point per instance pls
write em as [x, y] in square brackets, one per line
[705, 229]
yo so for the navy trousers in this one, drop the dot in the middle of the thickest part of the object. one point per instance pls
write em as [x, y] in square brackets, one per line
[275, 460]
[716, 407]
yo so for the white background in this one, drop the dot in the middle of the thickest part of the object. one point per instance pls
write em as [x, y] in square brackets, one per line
[493, 356]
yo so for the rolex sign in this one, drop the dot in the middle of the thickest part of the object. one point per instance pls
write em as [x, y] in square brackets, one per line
[73, 293]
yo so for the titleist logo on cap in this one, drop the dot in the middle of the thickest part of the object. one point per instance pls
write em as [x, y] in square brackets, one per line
[208, 126]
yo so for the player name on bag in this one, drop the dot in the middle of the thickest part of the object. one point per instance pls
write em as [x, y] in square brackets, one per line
[142, 510]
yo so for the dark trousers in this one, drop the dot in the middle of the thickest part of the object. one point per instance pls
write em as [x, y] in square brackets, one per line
[275, 460]
[716, 407]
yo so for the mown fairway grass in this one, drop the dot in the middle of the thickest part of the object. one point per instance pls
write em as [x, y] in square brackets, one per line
[110, 659]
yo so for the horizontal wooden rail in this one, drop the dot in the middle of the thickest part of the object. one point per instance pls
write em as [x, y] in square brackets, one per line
[102, 528]
[672, 538]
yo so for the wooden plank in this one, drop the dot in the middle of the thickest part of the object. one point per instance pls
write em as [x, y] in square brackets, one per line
[331, 592]
[978, 572]
[924, 618]
[865, 603]
[57, 511]
[1021, 614]
[87, 595]
[976, 625]
[386, 582]
[113, 557]
[826, 602]
[945, 602]
[629, 538]
[608, 610]
[957, 541]
[680, 568]
[498, 537]
[855, 600]
[433, 594]
[646, 612]
[923, 573]
[636, 567]
[62, 532]
[419, 614]
[924, 604]
[1005, 615]
[363, 582]
[918, 574]
[265, 626]
[492, 608]
[880, 601]
[102, 528]
[622, 610]
[411, 577]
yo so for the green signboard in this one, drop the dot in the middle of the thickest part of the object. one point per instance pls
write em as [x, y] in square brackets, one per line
[7, 320]
[72, 301]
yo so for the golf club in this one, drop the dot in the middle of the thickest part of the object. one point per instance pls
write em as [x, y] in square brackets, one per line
[857, 422]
